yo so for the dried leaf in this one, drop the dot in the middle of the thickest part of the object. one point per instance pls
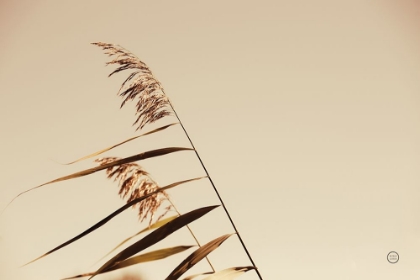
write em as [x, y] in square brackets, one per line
[141, 156]
[153, 226]
[156, 236]
[109, 217]
[121, 143]
[147, 257]
[197, 256]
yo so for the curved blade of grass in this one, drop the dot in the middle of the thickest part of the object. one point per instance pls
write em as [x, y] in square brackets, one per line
[157, 224]
[153, 226]
[156, 236]
[111, 216]
[147, 257]
[229, 273]
[197, 256]
[121, 143]
[141, 156]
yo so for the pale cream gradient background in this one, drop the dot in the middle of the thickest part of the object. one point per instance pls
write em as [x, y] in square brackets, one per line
[306, 114]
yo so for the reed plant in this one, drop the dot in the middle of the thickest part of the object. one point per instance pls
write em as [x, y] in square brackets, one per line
[142, 192]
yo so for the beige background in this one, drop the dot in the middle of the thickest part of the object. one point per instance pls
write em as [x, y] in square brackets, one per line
[306, 114]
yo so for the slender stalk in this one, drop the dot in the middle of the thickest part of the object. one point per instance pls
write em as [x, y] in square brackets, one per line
[217, 193]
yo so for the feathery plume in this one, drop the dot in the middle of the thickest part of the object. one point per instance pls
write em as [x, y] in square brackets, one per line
[152, 104]
[134, 182]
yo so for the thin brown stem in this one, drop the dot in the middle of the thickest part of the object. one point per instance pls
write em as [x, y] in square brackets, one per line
[217, 193]
[190, 230]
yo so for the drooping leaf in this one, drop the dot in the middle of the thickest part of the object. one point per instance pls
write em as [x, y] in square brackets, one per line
[152, 256]
[147, 257]
[157, 224]
[141, 156]
[156, 236]
[153, 226]
[111, 216]
[121, 143]
[229, 273]
[197, 256]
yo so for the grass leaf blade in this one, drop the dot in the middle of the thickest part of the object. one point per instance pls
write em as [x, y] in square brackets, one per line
[156, 236]
[141, 156]
[121, 143]
[146, 257]
[111, 216]
[197, 256]
[153, 226]
[151, 256]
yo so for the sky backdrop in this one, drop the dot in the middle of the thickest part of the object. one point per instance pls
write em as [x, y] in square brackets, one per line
[305, 113]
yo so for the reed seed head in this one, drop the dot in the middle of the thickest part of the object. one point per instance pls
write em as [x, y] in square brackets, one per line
[134, 182]
[152, 103]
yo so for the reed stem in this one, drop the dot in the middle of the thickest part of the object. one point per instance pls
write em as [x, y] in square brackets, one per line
[192, 233]
[217, 193]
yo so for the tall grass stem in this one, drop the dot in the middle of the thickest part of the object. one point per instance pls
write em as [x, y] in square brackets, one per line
[217, 193]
